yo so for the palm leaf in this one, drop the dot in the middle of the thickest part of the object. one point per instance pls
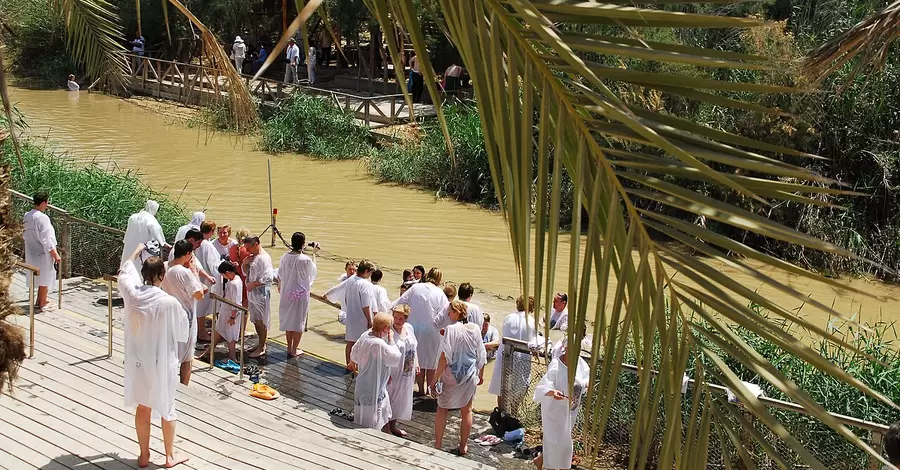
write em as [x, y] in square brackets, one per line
[94, 36]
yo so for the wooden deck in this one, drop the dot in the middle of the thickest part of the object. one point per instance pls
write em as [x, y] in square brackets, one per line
[66, 411]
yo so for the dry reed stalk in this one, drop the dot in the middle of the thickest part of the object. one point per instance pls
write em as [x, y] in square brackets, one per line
[12, 339]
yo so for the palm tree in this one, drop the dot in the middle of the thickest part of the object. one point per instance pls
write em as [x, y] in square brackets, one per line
[538, 96]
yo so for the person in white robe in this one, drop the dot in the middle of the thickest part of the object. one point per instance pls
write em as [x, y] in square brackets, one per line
[427, 315]
[223, 241]
[197, 219]
[358, 302]
[142, 228]
[520, 326]
[559, 410]
[259, 291]
[228, 321]
[372, 356]
[403, 377]
[382, 301]
[182, 283]
[209, 259]
[458, 373]
[559, 318]
[476, 313]
[40, 248]
[154, 325]
[349, 270]
[296, 272]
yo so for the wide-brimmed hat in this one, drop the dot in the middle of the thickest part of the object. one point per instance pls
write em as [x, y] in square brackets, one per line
[291, 40]
[238, 39]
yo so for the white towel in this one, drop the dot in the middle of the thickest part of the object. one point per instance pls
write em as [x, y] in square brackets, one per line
[753, 389]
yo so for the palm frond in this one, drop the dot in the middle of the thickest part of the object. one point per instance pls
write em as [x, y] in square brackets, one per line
[869, 41]
[94, 36]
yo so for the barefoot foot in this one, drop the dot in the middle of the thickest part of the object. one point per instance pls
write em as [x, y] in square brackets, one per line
[463, 449]
[174, 460]
[144, 461]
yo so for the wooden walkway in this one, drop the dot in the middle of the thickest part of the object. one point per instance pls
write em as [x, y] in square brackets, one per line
[66, 412]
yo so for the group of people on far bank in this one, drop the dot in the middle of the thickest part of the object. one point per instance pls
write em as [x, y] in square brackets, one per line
[432, 337]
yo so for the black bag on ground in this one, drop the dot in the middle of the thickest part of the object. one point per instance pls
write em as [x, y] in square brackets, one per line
[502, 422]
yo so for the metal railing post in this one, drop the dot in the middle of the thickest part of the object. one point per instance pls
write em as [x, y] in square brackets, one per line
[109, 318]
[59, 276]
[31, 315]
[212, 344]
[243, 332]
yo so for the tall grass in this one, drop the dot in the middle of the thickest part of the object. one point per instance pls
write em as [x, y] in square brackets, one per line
[99, 195]
[311, 125]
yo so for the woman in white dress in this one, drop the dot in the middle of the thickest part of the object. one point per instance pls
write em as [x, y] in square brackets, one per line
[462, 357]
[297, 272]
[228, 323]
[223, 241]
[373, 355]
[403, 377]
[427, 314]
[558, 409]
[518, 325]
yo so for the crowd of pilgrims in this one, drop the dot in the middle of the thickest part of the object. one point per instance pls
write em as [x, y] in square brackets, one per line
[431, 341]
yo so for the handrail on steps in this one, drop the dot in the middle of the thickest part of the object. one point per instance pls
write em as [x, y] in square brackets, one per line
[212, 346]
[32, 272]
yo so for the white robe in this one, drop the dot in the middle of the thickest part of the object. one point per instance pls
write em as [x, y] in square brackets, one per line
[560, 320]
[558, 416]
[427, 315]
[475, 314]
[221, 249]
[465, 355]
[403, 377]
[375, 357]
[181, 283]
[154, 325]
[196, 220]
[382, 301]
[40, 238]
[142, 228]
[209, 260]
[355, 294]
[232, 290]
[297, 273]
[519, 325]
[258, 298]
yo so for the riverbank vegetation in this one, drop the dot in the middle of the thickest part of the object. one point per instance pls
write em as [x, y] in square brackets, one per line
[312, 125]
[95, 192]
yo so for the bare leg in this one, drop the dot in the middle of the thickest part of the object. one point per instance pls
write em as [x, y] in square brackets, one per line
[168, 428]
[539, 462]
[347, 349]
[185, 373]
[231, 351]
[429, 376]
[298, 335]
[465, 428]
[261, 332]
[395, 430]
[420, 381]
[42, 296]
[142, 426]
[440, 423]
[202, 333]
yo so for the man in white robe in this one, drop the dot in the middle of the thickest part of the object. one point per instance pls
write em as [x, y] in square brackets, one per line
[475, 312]
[373, 356]
[181, 282]
[197, 219]
[382, 301]
[142, 228]
[559, 410]
[520, 326]
[154, 325]
[358, 302]
[40, 248]
[209, 259]
[258, 267]
[559, 318]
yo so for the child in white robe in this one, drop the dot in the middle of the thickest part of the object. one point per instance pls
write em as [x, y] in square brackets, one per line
[372, 356]
[403, 377]
[559, 410]
[228, 323]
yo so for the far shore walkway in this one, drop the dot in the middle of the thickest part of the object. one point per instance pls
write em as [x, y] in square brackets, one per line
[66, 410]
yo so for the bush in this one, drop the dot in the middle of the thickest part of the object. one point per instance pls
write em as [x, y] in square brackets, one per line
[38, 48]
[311, 125]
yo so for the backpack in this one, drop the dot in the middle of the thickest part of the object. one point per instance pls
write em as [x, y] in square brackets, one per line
[502, 422]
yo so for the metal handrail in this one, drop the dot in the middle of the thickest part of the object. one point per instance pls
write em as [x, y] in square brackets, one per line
[109, 278]
[33, 271]
[321, 298]
[212, 346]
[522, 346]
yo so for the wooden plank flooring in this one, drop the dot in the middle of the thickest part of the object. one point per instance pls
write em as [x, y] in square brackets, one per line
[67, 413]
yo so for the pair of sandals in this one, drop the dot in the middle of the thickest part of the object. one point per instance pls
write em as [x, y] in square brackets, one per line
[229, 366]
[264, 392]
[488, 440]
[340, 413]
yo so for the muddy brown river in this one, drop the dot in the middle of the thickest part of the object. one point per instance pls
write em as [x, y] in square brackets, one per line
[337, 204]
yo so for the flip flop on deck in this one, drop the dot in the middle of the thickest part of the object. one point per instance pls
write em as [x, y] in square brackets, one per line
[264, 392]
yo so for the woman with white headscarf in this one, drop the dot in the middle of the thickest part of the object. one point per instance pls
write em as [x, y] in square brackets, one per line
[197, 219]
[142, 229]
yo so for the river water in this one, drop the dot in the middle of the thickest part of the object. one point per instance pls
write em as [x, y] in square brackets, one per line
[336, 204]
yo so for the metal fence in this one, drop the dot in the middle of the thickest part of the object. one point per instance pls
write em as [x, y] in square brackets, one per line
[98, 249]
[522, 371]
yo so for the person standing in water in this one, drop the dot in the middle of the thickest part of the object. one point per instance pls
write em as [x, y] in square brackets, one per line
[419, 273]
[349, 270]
[358, 301]
[197, 219]
[381, 296]
[71, 84]
[373, 356]
[475, 312]
[154, 325]
[297, 272]
[40, 248]
[259, 286]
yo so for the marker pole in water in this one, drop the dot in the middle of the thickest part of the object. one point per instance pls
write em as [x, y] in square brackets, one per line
[271, 209]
